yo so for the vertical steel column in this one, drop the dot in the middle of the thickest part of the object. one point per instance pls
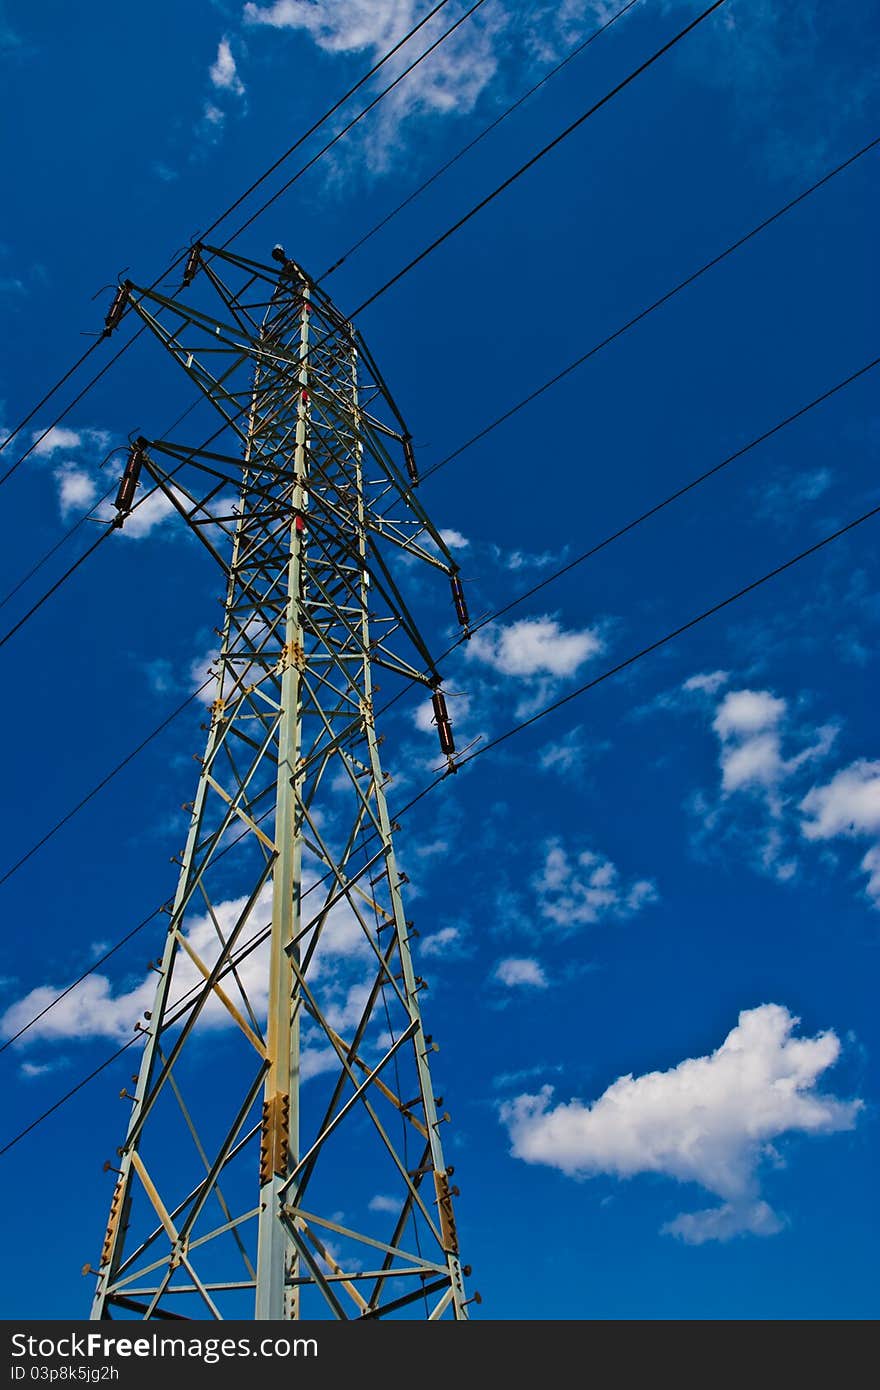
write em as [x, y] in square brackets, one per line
[276, 1257]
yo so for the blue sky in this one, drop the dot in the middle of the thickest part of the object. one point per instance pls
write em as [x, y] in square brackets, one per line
[650, 922]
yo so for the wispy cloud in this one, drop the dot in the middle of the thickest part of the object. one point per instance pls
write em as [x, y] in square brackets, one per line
[223, 72]
[767, 802]
[710, 1120]
[581, 888]
[449, 82]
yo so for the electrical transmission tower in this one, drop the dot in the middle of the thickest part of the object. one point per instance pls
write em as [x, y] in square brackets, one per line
[283, 1158]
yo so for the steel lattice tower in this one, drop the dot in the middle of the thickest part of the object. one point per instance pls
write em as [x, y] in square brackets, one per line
[289, 1163]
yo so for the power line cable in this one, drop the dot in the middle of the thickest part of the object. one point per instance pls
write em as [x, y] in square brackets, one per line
[99, 786]
[545, 150]
[527, 723]
[53, 588]
[471, 144]
[651, 308]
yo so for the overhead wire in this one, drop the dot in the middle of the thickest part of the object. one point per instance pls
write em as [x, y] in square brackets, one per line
[524, 724]
[105, 780]
[471, 144]
[654, 306]
[539, 155]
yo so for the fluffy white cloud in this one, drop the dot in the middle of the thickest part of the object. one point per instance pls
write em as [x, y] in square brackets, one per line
[76, 489]
[224, 72]
[710, 1120]
[575, 889]
[747, 723]
[61, 440]
[848, 805]
[97, 1008]
[520, 971]
[746, 712]
[534, 647]
[58, 438]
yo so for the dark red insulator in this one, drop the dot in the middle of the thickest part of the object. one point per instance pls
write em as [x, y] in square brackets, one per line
[410, 457]
[117, 308]
[458, 598]
[444, 727]
[129, 481]
[192, 264]
[299, 524]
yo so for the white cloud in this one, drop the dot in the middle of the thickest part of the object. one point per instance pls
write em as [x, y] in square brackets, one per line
[149, 511]
[448, 82]
[213, 116]
[707, 683]
[848, 805]
[724, 1222]
[710, 1120]
[98, 1008]
[431, 848]
[57, 438]
[569, 754]
[200, 673]
[520, 971]
[423, 715]
[445, 941]
[576, 889]
[61, 440]
[454, 540]
[386, 1204]
[761, 774]
[224, 72]
[534, 647]
[76, 490]
[30, 1070]
[745, 712]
